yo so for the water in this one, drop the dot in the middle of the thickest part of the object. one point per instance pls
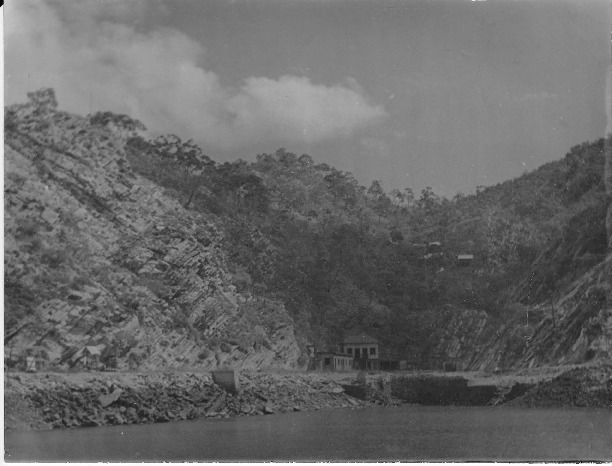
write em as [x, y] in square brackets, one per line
[408, 433]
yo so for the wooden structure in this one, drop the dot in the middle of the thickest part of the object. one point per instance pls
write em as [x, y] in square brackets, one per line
[91, 356]
[109, 358]
[364, 350]
[452, 365]
[465, 260]
[333, 361]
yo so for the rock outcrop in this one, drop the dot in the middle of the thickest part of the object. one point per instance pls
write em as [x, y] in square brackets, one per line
[573, 329]
[580, 387]
[97, 255]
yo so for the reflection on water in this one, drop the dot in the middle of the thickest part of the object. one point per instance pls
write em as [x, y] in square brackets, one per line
[407, 433]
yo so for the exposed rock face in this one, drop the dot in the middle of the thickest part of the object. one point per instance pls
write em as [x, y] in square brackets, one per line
[96, 255]
[572, 330]
[584, 387]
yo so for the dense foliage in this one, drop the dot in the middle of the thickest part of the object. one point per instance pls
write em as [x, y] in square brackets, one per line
[343, 257]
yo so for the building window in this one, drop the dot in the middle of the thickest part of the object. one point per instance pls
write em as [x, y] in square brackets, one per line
[357, 352]
[372, 350]
[349, 350]
[327, 361]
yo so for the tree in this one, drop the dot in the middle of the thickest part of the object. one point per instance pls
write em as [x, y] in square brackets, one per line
[122, 124]
[306, 160]
[186, 154]
[343, 186]
[429, 200]
[375, 190]
[43, 99]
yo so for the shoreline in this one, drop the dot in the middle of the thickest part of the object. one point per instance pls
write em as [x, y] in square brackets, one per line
[42, 401]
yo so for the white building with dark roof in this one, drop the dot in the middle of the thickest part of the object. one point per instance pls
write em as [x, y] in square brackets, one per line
[364, 350]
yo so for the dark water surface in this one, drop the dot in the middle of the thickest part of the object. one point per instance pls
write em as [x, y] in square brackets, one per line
[412, 433]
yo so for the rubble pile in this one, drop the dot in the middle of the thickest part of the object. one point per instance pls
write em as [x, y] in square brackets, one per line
[72, 400]
[580, 387]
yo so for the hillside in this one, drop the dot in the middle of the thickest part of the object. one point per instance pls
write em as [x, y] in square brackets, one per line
[97, 255]
[170, 259]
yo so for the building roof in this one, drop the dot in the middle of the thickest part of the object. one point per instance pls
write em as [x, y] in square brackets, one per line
[362, 338]
[94, 350]
[465, 257]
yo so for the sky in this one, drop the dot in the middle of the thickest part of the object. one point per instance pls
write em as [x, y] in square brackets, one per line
[451, 94]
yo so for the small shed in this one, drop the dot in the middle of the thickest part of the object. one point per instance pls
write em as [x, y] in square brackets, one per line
[109, 358]
[91, 356]
[452, 365]
[464, 260]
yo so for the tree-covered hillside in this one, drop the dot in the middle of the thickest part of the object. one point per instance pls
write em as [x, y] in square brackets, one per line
[344, 257]
[234, 261]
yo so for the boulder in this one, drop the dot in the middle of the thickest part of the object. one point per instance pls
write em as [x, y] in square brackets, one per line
[90, 423]
[106, 400]
[268, 409]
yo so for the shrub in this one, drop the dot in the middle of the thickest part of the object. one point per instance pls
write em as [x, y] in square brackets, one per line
[10, 120]
[225, 347]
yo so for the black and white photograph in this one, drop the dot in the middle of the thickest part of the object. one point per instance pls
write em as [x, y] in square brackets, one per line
[307, 231]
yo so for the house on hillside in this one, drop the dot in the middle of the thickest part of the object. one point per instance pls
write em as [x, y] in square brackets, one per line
[364, 350]
[88, 357]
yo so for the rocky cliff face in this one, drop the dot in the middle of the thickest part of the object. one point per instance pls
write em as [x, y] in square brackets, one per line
[572, 329]
[98, 256]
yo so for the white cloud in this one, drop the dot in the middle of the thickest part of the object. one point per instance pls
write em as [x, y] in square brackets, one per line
[94, 56]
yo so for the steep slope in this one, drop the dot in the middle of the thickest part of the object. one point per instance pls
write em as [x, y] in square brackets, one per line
[97, 255]
[164, 257]
[571, 326]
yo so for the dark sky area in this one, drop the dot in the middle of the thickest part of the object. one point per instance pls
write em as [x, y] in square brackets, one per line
[450, 94]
